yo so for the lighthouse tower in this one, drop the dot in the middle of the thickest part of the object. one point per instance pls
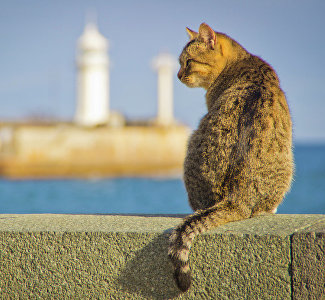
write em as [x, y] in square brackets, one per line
[165, 65]
[93, 78]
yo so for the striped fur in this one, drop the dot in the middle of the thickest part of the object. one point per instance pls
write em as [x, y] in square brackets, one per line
[182, 237]
[239, 161]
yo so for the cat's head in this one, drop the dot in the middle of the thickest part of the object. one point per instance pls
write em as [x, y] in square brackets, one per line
[205, 56]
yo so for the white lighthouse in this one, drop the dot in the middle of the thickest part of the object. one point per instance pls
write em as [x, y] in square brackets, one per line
[93, 78]
[165, 64]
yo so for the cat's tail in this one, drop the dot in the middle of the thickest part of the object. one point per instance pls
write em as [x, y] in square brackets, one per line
[183, 235]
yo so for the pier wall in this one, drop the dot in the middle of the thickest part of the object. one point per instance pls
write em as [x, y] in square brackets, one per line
[70, 151]
[125, 257]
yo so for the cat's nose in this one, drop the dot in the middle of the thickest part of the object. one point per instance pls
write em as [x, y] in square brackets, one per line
[180, 74]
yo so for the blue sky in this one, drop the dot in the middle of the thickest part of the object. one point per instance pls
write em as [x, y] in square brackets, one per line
[38, 46]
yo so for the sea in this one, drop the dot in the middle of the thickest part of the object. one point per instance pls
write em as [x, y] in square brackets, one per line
[151, 195]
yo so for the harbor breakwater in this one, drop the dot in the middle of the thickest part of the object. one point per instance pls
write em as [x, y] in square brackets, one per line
[64, 150]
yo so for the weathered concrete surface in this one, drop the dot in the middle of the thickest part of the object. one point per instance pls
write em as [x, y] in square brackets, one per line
[124, 257]
[308, 263]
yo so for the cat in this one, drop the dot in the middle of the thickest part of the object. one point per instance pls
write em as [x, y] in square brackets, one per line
[239, 162]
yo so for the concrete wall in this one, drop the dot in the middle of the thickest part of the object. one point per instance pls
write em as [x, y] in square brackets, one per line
[125, 257]
[63, 150]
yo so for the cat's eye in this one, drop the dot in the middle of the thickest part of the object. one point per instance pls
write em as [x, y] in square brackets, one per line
[188, 62]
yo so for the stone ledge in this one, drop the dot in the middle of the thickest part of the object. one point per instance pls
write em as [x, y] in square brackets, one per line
[124, 257]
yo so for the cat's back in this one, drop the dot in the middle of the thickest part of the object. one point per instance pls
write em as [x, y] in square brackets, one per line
[246, 133]
[247, 74]
[248, 88]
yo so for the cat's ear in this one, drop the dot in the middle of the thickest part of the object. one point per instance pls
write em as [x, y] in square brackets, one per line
[192, 34]
[207, 35]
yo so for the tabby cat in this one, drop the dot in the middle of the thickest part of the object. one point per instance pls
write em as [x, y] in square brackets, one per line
[239, 162]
